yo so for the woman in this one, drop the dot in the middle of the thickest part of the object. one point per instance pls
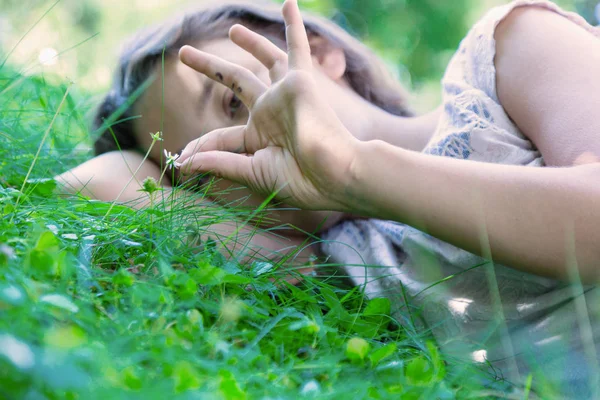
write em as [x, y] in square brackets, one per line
[491, 313]
[522, 90]
[184, 105]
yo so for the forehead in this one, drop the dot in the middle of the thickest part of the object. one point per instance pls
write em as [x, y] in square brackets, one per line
[224, 48]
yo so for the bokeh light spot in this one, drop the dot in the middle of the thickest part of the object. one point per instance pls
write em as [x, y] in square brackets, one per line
[48, 56]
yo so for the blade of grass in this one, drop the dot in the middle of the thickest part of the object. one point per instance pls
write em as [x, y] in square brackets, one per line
[46, 133]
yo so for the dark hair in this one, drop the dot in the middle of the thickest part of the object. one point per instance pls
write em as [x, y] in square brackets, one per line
[365, 72]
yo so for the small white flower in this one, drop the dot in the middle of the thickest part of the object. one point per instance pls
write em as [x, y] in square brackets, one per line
[171, 159]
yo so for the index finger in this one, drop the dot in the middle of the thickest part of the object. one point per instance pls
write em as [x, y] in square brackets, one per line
[246, 86]
[297, 39]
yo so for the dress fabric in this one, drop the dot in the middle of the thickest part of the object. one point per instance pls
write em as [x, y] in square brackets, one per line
[518, 323]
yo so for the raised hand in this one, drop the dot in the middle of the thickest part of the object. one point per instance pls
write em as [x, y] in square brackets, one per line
[293, 143]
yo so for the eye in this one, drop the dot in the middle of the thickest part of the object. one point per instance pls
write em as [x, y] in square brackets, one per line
[234, 105]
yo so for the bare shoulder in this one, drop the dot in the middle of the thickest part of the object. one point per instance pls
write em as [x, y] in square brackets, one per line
[527, 19]
[534, 33]
[547, 80]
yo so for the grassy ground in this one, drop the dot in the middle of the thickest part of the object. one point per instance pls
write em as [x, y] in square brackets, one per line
[103, 301]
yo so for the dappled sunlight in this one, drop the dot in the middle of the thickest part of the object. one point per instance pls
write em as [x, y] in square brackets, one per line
[459, 305]
[479, 356]
[550, 340]
[16, 351]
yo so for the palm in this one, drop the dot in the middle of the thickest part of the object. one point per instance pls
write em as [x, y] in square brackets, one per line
[273, 168]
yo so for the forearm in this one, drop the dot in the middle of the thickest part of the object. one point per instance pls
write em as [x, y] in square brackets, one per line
[109, 178]
[247, 243]
[533, 219]
[230, 194]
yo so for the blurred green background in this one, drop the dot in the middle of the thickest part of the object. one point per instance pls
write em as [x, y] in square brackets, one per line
[415, 37]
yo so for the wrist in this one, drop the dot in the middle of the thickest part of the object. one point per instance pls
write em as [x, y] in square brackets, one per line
[362, 177]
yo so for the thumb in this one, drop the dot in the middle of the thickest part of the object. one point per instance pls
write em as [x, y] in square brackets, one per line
[231, 166]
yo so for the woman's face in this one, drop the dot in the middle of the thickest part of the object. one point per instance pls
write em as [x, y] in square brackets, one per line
[193, 104]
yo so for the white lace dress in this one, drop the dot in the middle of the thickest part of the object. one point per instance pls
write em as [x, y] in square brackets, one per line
[520, 323]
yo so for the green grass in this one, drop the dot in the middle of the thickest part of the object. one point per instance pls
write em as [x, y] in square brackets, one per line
[99, 300]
